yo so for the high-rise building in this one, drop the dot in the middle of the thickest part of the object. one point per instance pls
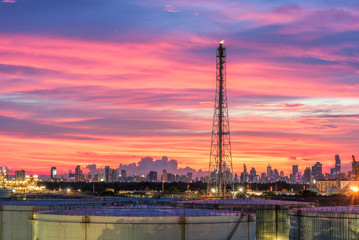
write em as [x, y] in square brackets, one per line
[276, 174]
[294, 172]
[153, 176]
[244, 175]
[79, 176]
[53, 173]
[306, 175]
[337, 164]
[164, 176]
[252, 174]
[189, 176]
[113, 175]
[107, 174]
[20, 175]
[123, 175]
[101, 177]
[270, 174]
[297, 177]
[171, 177]
[317, 171]
[220, 154]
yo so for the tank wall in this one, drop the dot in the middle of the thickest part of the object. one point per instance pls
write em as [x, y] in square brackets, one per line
[15, 219]
[324, 225]
[272, 224]
[16, 223]
[56, 227]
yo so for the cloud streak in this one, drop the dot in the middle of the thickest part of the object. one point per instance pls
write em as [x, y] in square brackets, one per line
[125, 78]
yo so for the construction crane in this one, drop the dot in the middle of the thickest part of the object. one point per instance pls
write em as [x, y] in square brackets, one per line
[355, 168]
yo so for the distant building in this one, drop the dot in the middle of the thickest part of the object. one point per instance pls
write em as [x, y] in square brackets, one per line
[123, 175]
[113, 175]
[171, 177]
[252, 175]
[153, 176]
[269, 172]
[324, 185]
[306, 176]
[20, 175]
[189, 176]
[101, 177]
[298, 177]
[244, 175]
[53, 173]
[337, 164]
[107, 173]
[164, 177]
[294, 172]
[79, 176]
[317, 171]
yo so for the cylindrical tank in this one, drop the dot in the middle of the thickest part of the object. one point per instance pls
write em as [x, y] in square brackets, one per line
[15, 215]
[143, 223]
[324, 223]
[332, 191]
[272, 220]
[4, 193]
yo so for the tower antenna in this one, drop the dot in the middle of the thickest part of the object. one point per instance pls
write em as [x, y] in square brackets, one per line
[220, 163]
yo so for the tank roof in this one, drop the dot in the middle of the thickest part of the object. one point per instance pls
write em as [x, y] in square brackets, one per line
[247, 201]
[142, 211]
[45, 202]
[332, 209]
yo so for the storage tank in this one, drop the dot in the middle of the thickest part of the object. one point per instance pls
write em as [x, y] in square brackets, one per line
[324, 223]
[4, 193]
[15, 215]
[143, 223]
[272, 220]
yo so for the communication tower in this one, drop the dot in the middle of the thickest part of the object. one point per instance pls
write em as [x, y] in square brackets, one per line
[220, 163]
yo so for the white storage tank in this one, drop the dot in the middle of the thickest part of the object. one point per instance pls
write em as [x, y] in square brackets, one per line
[272, 219]
[15, 215]
[143, 223]
[339, 222]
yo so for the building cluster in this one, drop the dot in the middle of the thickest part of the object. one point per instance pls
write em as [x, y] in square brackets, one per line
[108, 174]
[309, 176]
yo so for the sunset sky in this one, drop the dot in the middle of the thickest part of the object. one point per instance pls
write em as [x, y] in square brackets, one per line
[113, 81]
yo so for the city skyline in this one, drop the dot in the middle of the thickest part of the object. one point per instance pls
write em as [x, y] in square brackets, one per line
[112, 82]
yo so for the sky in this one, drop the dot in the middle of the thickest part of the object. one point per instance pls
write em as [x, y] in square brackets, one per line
[109, 82]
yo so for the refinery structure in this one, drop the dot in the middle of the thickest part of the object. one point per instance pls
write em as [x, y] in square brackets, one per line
[220, 163]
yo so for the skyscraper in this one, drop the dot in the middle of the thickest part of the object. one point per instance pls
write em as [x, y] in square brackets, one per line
[317, 171]
[337, 164]
[294, 172]
[153, 176]
[306, 175]
[107, 173]
[53, 173]
[79, 176]
[164, 176]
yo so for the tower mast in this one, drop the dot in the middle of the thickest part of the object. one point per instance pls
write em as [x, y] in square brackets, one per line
[220, 163]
